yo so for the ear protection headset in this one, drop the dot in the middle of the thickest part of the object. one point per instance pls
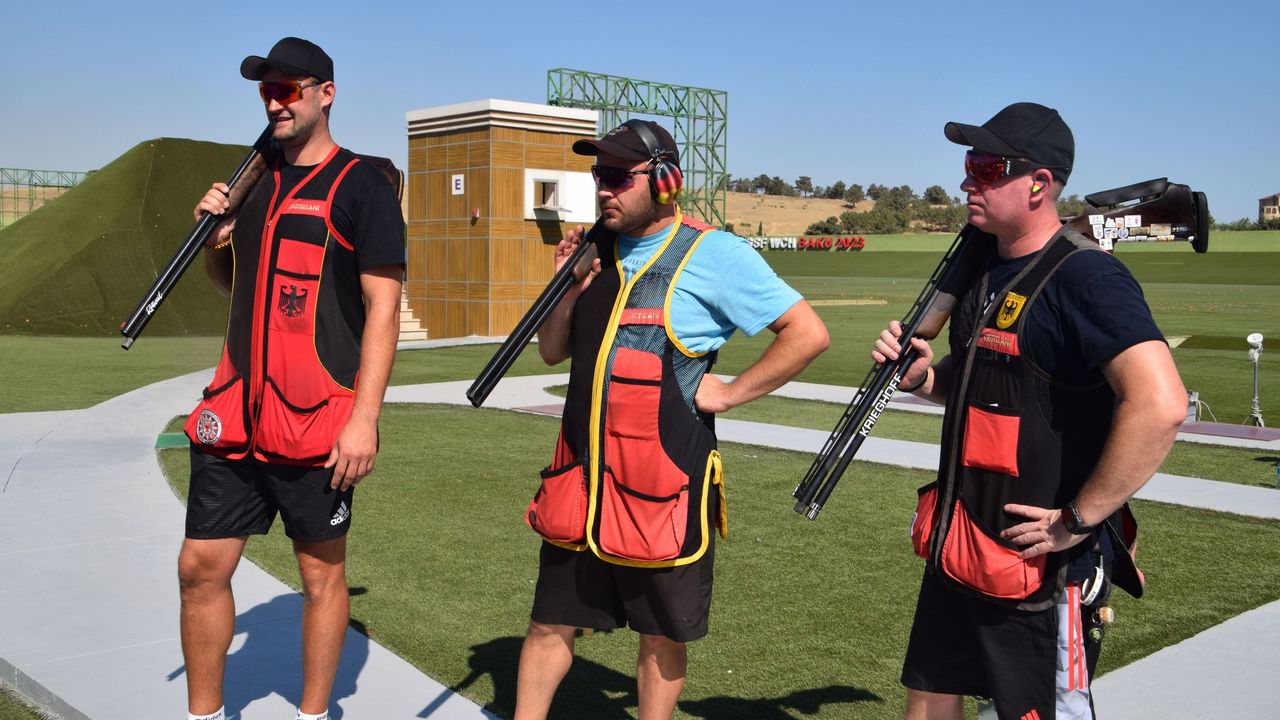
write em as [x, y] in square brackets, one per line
[665, 178]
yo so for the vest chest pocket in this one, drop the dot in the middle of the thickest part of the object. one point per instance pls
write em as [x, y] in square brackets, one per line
[991, 439]
[294, 287]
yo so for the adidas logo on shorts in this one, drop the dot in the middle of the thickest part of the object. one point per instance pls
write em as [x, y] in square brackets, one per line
[342, 514]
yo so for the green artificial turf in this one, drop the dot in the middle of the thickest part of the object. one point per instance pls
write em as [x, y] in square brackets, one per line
[807, 616]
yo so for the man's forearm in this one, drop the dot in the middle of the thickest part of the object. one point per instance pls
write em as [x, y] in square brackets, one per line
[553, 336]
[800, 339]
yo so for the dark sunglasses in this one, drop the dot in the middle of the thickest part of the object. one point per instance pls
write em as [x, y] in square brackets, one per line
[987, 169]
[612, 178]
[283, 91]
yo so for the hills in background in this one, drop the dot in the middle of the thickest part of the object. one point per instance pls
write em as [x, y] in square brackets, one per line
[782, 215]
[79, 265]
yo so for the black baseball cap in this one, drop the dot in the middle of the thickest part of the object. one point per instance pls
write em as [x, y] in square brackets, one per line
[292, 56]
[624, 142]
[1022, 130]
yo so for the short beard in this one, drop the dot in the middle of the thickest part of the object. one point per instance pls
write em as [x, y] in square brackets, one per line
[632, 223]
[298, 132]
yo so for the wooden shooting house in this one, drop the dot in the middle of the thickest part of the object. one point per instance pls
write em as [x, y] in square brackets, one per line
[493, 186]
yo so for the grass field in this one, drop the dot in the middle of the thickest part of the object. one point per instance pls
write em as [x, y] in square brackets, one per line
[807, 616]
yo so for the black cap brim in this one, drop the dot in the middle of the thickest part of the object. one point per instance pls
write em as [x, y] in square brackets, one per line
[978, 138]
[606, 147]
[255, 67]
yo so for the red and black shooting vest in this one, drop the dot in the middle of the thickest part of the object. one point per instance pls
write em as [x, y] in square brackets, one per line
[635, 477]
[285, 385]
[1012, 434]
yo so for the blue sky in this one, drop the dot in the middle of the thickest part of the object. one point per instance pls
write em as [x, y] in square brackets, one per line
[835, 90]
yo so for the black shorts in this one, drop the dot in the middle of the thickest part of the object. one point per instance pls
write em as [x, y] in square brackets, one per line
[1027, 663]
[234, 498]
[581, 590]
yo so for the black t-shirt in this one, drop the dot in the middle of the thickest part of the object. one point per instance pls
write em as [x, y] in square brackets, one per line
[365, 212]
[1091, 310]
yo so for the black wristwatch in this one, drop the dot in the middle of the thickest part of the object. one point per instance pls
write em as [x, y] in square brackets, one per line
[1072, 521]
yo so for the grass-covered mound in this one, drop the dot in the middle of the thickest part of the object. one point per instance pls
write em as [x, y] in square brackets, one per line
[79, 265]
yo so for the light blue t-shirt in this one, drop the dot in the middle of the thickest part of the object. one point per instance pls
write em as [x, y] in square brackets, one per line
[726, 285]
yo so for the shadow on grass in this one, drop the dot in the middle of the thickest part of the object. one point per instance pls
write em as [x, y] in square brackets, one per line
[591, 690]
[808, 702]
[1273, 462]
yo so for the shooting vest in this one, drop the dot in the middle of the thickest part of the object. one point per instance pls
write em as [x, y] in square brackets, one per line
[1012, 434]
[285, 385]
[635, 477]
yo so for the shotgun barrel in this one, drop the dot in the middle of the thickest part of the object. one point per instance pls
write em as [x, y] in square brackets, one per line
[251, 168]
[575, 267]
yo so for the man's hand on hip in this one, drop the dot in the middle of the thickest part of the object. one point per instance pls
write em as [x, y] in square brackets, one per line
[1044, 534]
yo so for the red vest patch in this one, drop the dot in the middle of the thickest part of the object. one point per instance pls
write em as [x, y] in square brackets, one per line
[999, 341]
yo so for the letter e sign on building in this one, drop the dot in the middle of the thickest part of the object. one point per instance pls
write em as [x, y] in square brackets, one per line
[457, 185]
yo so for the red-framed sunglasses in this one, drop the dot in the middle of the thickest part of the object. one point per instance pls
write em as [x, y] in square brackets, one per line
[283, 91]
[612, 178]
[987, 169]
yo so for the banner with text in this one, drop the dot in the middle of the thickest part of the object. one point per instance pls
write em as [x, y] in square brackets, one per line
[809, 243]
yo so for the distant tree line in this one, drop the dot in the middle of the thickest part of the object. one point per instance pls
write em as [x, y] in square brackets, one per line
[1246, 224]
[897, 209]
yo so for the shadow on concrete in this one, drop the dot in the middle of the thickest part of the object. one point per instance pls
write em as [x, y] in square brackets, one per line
[266, 657]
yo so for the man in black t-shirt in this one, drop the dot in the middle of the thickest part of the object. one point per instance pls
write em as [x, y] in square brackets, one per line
[1062, 400]
[312, 262]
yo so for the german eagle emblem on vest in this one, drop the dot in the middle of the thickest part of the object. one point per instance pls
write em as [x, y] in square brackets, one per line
[292, 300]
[1010, 310]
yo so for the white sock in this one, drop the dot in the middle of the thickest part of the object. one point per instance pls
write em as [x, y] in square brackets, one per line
[221, 714]
[303, 716]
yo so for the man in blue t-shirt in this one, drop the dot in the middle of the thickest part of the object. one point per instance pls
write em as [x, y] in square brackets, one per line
[1062, 401]
[630, 503]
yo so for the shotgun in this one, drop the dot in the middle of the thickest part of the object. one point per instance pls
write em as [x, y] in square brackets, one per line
[1151, 211]
[575, 267]
[241, 182]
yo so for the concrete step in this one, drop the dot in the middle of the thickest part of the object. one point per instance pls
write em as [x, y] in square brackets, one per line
[410, 327]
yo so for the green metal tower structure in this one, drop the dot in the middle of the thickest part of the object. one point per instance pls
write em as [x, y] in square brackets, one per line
[701, 119]
[22, 191]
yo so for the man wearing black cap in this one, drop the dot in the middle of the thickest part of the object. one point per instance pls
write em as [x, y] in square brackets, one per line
[634, 494]
[312, 262]
[1061, 401]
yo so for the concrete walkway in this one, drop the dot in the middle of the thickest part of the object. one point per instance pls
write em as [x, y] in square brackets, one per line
[89, 606]
[89, 537]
